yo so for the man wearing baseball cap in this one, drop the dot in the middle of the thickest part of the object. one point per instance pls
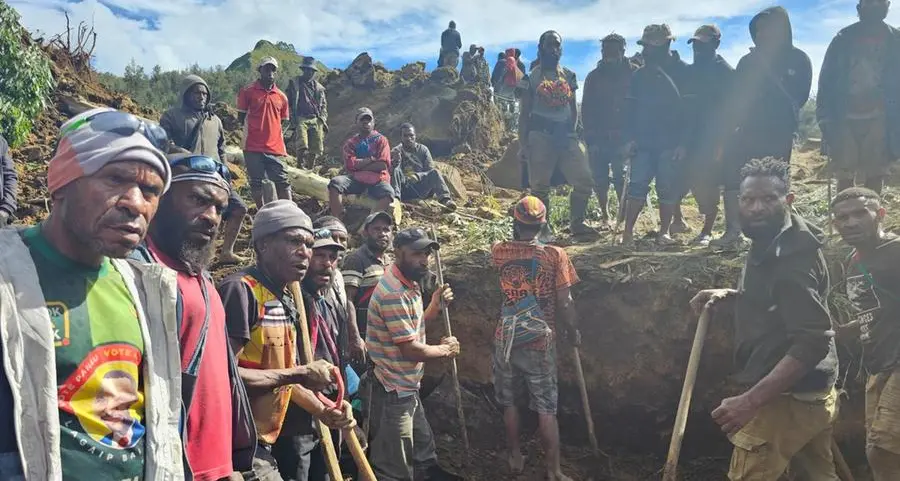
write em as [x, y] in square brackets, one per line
[536, 277]
[364, 267]
[309, 114]
[261, 319]
[262, 107]
[655, 130]
[87, 319]
[711, 79]
[396, 343]
[367, 160]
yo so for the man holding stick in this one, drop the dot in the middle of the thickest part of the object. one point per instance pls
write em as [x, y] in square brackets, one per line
[784, 343]
[403, 446]
[535, 279]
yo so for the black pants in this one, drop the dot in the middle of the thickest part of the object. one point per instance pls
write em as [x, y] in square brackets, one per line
[301, 458]
[425, 185]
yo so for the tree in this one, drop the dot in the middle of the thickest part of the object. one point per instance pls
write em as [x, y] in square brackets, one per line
[25, 78]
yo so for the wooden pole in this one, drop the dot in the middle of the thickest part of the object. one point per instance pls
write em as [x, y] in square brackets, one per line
[588, 417]
[687, 390]
[453, 369]
[331, 459]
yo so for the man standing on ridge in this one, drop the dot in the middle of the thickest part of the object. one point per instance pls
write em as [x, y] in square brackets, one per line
[193, 126]
[772, 84]
[872, 275]
[262, 107]
[783, 338]
[547, 132]
[858, 101]
[451, 42]
[309, 114]
[603, 115]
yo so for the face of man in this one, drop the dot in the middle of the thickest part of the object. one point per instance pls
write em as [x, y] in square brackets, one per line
[321, 266]
[409, 138]
[551, 48]
[365, 124]
[114, 398]
[704, 51]
[378, 235]
[198, 97]
[308, 74]
[764, 203]
[771, 33]
[413, 263]
[612, 52]
[188, 219]
[267, 73]
[110, 210]
[873, 10]
[656, 53]
[285, 255]
[858, 220]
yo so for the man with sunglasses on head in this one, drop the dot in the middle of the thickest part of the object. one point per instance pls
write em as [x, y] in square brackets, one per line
[262, 108]
[194, 127]
[99, 331]
[181, 238]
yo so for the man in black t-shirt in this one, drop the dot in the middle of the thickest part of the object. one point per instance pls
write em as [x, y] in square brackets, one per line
[873, 288]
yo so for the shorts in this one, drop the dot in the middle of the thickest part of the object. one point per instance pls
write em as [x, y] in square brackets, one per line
[235, 204]
[787, 432]
[703, 177]
[531, 371]
[344, 184]
[883, 411]
[649, 164]
[860, 148]
[310, 136]
[265, 467]
[261, 166]
[603, 158]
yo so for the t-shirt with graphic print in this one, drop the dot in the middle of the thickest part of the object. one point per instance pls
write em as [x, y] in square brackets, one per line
[99, 359]
[263, 319]
[873, 288]
[554, 271]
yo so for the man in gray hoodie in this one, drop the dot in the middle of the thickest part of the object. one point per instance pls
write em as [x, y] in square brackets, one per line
[194, 127]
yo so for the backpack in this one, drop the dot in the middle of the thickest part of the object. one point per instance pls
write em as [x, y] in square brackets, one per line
[513, 75]
[523, 322]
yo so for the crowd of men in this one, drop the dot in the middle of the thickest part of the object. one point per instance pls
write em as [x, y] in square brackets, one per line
[122, 359]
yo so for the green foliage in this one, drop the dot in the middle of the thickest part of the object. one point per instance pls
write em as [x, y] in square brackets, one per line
[25, 78]
[809, 128]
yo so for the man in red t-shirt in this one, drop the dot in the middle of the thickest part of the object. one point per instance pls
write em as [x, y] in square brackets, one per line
[181, 238]
[367, 160]
[262, 107]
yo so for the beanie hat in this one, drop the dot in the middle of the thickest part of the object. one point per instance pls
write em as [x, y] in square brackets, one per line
[279, 215]
[530, 211]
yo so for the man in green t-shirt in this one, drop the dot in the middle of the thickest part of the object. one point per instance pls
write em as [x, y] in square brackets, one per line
[102, 345]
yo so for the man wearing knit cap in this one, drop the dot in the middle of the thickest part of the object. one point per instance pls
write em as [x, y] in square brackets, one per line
[100, 332]
[261, 319]
[537, 278]
[181, 238]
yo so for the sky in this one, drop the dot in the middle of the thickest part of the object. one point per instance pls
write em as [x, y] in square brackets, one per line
[178, 33]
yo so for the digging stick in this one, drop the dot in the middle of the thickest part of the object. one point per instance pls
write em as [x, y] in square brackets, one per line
[687, 390]
[588, 417]
[830, 198]
[843, 470]
[453, 369]
[331, 459]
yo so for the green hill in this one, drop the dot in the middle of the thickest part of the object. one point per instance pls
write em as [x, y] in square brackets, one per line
[288, 58]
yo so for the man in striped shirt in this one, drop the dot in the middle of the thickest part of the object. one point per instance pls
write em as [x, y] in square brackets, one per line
[403, 445]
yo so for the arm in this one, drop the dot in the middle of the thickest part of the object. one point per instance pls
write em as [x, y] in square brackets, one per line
[243, 103]
[220, 146]
[589, 114]
[804, 82]
[382, 160]
[355, 339]
[427, 160]
[573, 103]
[418, 352]
[565, 305]
[351, 161]
[525, 111]
[10, 180]
[826, 91]
[323, 108]
[269, 379]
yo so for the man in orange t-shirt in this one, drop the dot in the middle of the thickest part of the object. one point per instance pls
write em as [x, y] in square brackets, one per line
[262, 107]
[544, 273]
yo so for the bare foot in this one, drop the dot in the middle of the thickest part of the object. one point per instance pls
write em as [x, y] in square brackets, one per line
[516, 463]
[230, 258]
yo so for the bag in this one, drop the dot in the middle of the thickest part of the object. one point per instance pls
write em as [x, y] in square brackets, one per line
[523, 322]
[513, 75]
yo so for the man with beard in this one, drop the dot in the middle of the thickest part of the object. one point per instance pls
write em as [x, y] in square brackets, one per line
[415, 175]
[403, 446]
[783, 338]
[309, 114]
[547, 132]
[181, 238]
[709, 85]
[655, 130]
[603, 116]
[262, 107]
[193, 126]
[772, 84]
[364, 267]
[72, 309]
[261, 318]
[858, 101]
[872, 275]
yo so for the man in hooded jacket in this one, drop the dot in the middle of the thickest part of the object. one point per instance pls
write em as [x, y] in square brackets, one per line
[772, 84]
[195, 128]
